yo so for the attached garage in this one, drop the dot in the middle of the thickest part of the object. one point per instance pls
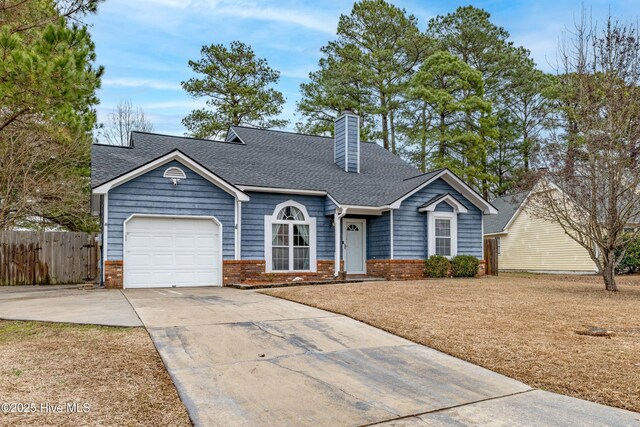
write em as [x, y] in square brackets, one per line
[172, 251]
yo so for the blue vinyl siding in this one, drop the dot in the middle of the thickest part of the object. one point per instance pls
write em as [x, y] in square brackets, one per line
[379, 237]
[261, 204]
[444, 207]
[152, 194]
[410, 226]
[352, 144]
[339, 142]
[329, 207]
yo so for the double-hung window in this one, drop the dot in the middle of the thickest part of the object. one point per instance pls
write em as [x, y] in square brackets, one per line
[290, 240]
[443, 236]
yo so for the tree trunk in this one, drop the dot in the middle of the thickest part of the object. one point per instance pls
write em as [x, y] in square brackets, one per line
[385, 120]
[571, 147]
[442, 146]
[423, 142]
[393, 132]
[385, 131]
[608, 272]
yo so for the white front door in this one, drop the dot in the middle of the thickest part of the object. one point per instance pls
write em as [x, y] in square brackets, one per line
[171, 252]
[354, 243]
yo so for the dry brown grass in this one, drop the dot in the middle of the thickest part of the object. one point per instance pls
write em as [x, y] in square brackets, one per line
[519, 325]
[117, 371]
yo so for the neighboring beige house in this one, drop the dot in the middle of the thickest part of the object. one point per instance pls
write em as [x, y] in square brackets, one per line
[527, 243]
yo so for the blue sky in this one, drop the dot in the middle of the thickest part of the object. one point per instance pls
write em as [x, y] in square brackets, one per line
[145, 44]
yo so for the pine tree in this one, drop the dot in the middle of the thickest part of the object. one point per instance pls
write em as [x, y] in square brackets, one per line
[237, 86]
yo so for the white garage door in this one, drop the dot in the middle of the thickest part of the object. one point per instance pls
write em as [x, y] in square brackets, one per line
[166, 252]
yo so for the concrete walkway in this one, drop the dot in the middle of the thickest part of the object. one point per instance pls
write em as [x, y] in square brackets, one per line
[243, 358]
[66, 304]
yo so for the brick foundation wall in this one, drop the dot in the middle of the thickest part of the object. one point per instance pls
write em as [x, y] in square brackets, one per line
[482, 268]
[396, 269]
[235, 271]
[254, 270]
[113, 274]
[403, 269]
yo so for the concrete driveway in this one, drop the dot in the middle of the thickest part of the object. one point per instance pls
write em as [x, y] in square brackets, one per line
[243, 358]
[55, 303]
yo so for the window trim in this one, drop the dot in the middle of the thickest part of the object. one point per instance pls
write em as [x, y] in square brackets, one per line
[453, 217]
[499, 244]
[269, 220]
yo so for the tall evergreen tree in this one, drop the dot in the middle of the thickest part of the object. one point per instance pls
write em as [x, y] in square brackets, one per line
[450, 91]
[327, 94]
[238, 89]
[378, 47]
[469, 34]
[48, 82]
[527, 96]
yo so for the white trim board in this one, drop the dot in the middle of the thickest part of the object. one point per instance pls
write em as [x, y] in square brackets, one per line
[456, 183]
[391, 243]
[282, 190]
[447, 198]
[238, 231]
[432, 216]
[105, 233]
[181, 158]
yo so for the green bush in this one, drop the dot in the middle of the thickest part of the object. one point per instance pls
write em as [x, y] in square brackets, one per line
[437, 266]
[464, 266]
[630, 263]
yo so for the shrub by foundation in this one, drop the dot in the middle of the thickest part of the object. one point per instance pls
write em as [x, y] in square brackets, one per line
[464, 266]
[437, 266]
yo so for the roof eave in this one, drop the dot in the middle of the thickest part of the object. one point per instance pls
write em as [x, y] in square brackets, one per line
[453, 180]
[182, 158]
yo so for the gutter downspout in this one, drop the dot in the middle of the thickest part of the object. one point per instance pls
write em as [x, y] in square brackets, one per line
[338, 243]
[391, 233]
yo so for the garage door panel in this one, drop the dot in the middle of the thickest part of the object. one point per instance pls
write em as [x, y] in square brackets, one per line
[163, 252]
[161, 242]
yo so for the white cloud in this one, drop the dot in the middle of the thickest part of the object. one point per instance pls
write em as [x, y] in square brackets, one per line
[186, 103]
[298, 73]
[249, 10]
[136, 82]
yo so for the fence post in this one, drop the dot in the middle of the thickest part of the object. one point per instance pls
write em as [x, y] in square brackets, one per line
[491, 256]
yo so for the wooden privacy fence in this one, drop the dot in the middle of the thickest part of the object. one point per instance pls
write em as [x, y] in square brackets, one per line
[43, 258]
[491, 256]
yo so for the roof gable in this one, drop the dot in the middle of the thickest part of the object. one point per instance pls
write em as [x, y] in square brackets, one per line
[507, 206]
[180, 157]
[447, 198]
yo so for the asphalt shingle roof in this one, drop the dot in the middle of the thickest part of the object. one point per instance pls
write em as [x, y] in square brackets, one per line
[507, 207]
[272, 159]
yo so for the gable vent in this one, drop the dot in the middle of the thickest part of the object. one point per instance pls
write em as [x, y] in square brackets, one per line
[174, 173]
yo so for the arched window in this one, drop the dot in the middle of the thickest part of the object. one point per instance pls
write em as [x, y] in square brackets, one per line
[290, 238]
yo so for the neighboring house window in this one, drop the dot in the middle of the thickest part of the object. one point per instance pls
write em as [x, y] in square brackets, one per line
[499, 243]
[443, 233]
[290, 239]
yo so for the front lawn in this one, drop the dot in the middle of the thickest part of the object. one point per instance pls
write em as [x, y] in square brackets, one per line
[520, 325]
[116, 372]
